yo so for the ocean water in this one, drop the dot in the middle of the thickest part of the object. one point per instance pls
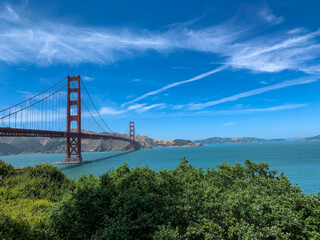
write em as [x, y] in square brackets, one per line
[300, 161]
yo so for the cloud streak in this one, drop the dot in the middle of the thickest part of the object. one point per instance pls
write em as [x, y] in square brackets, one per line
[267, 14]
[299, 81]
[140, 108]
[176, 84]
[285, 107]
[248, 111]
[25, 40]
[258, 110]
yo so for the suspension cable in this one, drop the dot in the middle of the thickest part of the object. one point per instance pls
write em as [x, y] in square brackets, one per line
[92, 116]
[34, 95]
[95, 106]
[90, 112]
[11, 113]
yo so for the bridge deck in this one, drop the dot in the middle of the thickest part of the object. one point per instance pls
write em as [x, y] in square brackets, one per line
[18, 132]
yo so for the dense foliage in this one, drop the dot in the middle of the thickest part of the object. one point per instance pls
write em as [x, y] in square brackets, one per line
[229, 202]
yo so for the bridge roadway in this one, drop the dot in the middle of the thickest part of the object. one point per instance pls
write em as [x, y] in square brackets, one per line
[19, 132]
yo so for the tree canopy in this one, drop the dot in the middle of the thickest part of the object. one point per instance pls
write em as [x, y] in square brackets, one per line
[247, 201]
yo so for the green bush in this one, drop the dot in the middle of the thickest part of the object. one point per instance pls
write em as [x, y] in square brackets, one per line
[6, 170]
[25, 219]
[230, 202]
[167, 233]
[43, 181]
[12, 229]
[247, 201]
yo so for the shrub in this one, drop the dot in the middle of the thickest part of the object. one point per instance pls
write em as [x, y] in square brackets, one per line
[228, 202]
[25, 219]
[6, 170]
[43, 181]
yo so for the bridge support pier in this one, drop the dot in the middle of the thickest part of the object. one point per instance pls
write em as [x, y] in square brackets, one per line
[73, 115]
[132, 136]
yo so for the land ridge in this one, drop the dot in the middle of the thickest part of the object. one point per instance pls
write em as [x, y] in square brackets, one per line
[27, 145]
[227, 140]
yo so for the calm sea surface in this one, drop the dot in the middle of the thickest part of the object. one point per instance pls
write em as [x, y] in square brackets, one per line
[300, 161]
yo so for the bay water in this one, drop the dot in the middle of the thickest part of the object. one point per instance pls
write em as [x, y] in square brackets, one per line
[300, 161]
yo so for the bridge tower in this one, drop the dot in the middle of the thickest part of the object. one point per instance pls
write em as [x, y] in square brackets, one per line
[73, 99]
[132, 136]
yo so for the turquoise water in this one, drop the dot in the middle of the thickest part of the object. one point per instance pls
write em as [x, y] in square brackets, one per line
[300, 161]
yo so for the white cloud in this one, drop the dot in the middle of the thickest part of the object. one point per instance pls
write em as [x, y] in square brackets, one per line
[277, 55]
[267, 14]
[234, 123]
[249, 110]
[46, 42]
[27, 40]
[8, 14]
[175, 84]
[27, 94]
[299, 81]
[232, 112]
[146, 108]
[296, 30]
[140, 108]
[230, 123]
[176, 107]
[136, 106]
[111, 111]
[87, 78]
[270, 109]
[136, 80]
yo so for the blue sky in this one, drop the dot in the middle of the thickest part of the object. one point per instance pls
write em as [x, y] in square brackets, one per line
[179, 69]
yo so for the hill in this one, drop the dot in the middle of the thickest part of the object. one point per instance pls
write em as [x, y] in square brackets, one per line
[219, 140]
[26, 145]
[315, 138]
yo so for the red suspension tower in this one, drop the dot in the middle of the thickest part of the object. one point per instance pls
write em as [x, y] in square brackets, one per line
[132, 137]
[73, 143]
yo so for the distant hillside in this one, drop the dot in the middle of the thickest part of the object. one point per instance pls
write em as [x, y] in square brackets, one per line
[219, 140]
[26, 145]
[315, 138]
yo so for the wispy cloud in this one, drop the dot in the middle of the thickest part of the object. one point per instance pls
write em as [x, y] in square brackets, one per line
[139, 108]
[8, 14]
[47, 42]
[24, 39]
[111, 111]
[175, 84]
[238, 122]
[267, 14]
[27, 94]
[299, 81]
[247, 111]
[277, 54]
[87, 78]
[180, 68]
[257, 110]
[286, 107]
[146, 108]
[230, 123]
[297, 30]
[177, 106]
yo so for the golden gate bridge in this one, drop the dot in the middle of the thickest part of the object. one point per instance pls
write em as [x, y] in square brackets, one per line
[42, 116]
